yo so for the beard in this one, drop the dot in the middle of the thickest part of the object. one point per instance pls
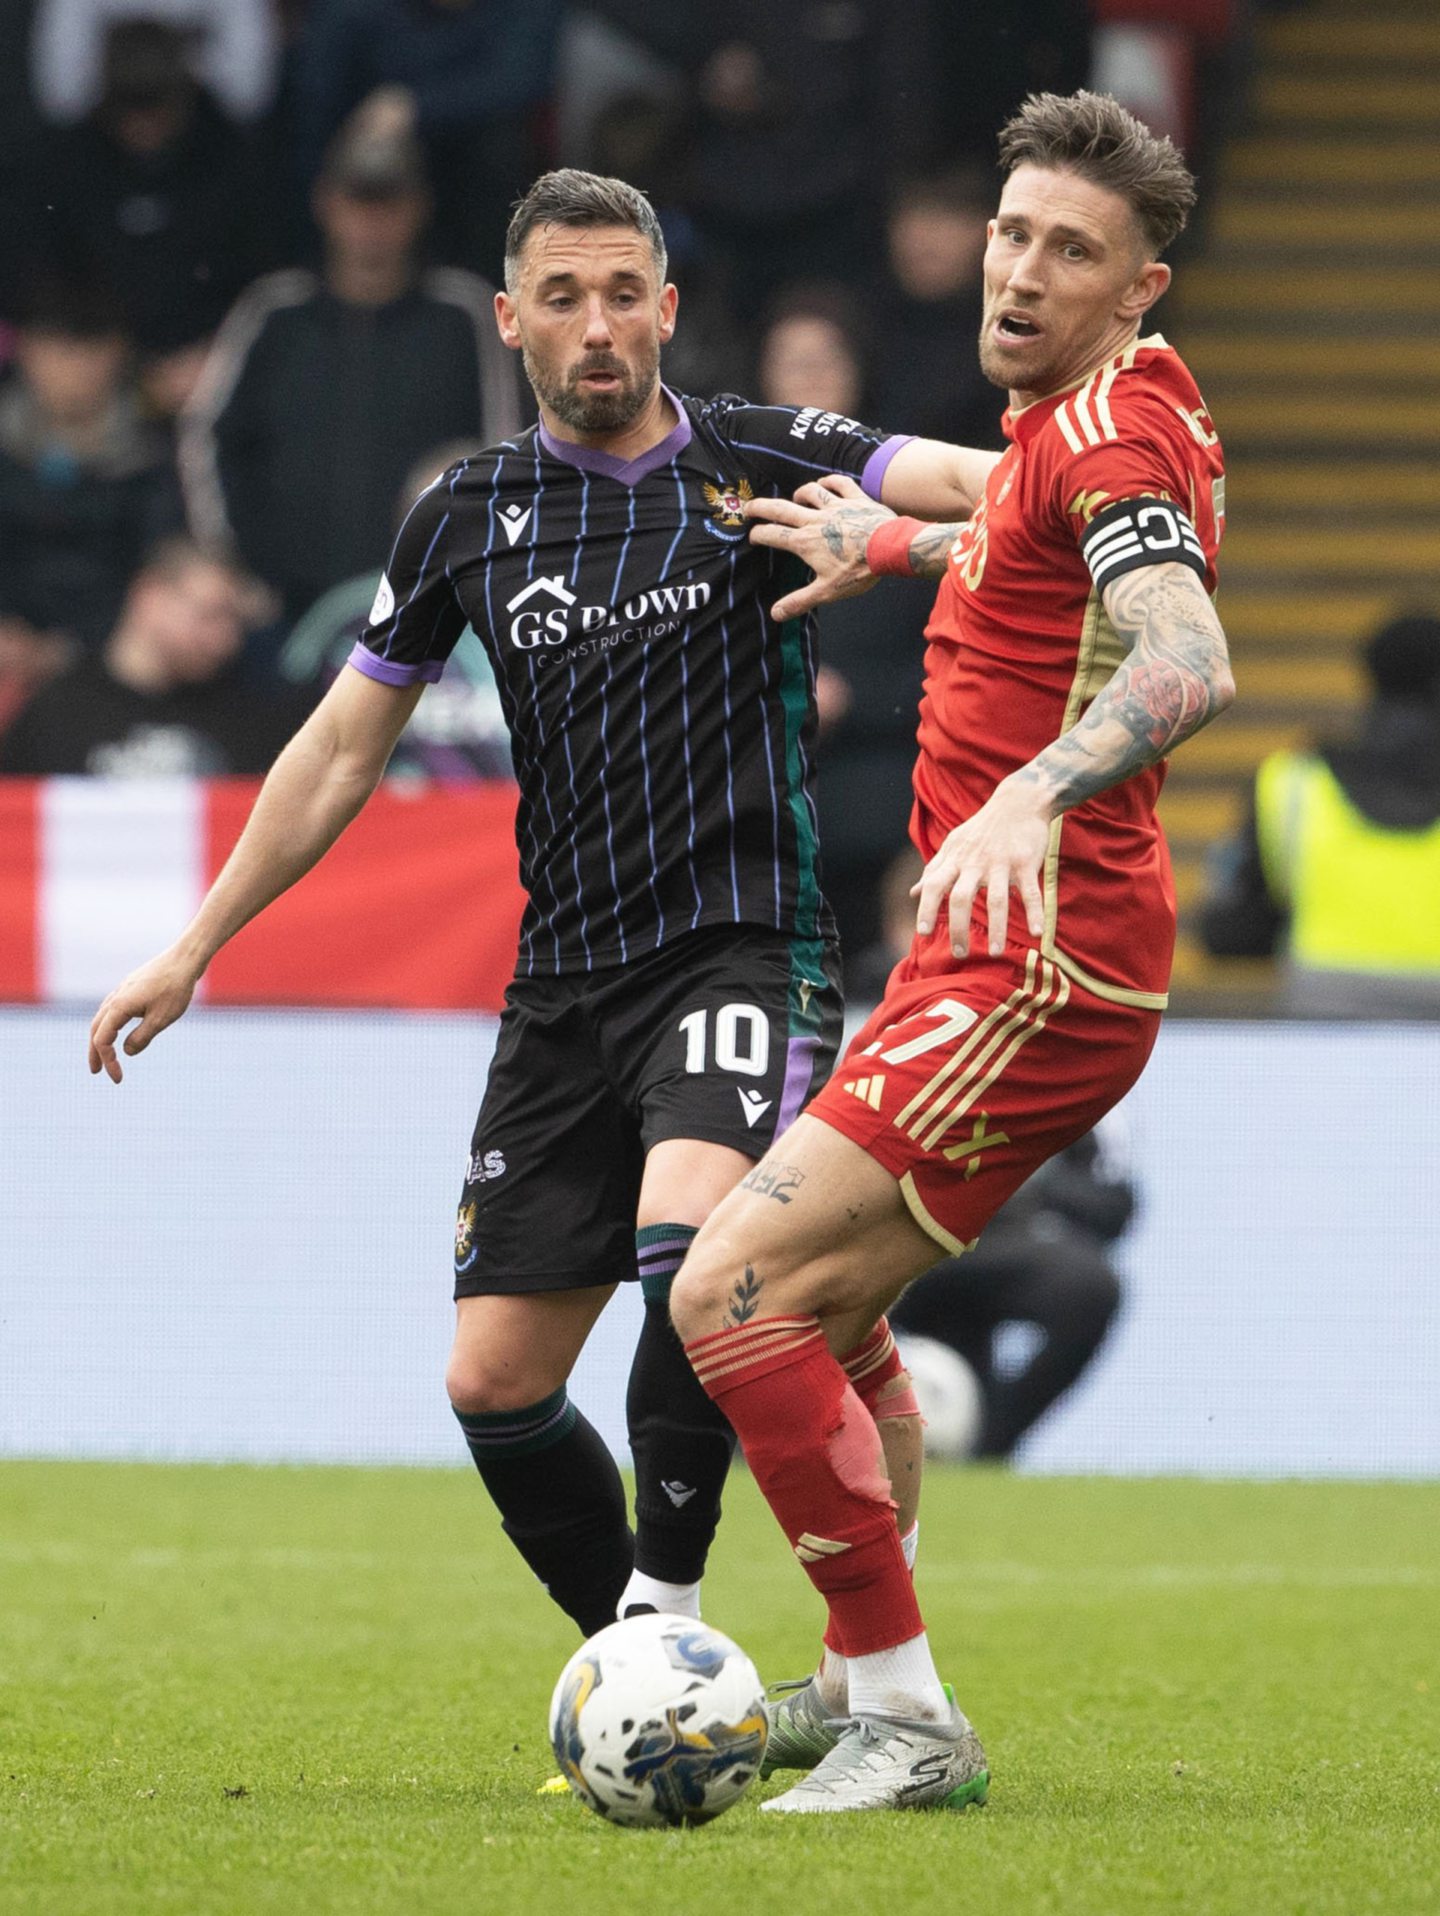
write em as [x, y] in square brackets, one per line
[595, 412]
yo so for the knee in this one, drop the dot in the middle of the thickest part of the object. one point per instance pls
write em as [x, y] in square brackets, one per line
[489, 1383]
[700, 1289]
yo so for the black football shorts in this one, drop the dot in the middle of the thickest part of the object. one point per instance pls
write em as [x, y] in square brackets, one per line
[720, 1035]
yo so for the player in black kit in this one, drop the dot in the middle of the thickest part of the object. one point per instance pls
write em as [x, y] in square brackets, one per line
[676, 995]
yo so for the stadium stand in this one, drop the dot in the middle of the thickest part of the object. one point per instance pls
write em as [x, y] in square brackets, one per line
[1309, 323]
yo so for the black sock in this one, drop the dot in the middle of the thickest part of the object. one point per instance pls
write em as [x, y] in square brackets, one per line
[561, 1502]
[680, 1441]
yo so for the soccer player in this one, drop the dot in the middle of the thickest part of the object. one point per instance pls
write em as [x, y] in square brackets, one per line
[1073, 644]
[675, 998]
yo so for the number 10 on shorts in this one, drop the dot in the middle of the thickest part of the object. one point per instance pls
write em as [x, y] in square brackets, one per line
[742, 1039]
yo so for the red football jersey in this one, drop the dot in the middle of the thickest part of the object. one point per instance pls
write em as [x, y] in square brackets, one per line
[1019, 644]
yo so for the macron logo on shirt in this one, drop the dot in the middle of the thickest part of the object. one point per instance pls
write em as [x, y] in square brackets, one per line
[384, 602]
[514, 518]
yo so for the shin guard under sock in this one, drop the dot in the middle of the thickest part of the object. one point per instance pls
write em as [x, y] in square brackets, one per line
[561, 1502]
[679, 1438]
[815, 1454]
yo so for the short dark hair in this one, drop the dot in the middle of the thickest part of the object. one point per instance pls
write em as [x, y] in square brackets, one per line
[568, 197]
[1092, 134]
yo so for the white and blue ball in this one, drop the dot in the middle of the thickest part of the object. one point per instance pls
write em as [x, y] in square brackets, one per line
[659, 1721]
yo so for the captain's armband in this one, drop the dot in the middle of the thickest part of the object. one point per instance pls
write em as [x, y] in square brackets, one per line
[1139, 532]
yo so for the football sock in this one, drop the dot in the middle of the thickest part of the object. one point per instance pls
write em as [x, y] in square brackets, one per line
[561, 1502]
[832, 1679]
[815, 1453]
[680, 1441]
[900, 1681]
[651, 1593]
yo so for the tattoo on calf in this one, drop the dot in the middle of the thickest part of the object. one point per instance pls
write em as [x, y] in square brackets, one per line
[745, 1298]
[778, 1181]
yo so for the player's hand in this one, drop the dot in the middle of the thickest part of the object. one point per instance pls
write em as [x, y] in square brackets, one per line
[1000, 850]
[157, 994]
[827, 524]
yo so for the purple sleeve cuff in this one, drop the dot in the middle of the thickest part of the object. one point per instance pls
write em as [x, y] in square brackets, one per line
[875, 465]
[392, 671]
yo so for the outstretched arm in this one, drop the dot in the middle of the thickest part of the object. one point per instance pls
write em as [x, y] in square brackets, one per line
[1174, 679]
[829, 522]
[313, 790]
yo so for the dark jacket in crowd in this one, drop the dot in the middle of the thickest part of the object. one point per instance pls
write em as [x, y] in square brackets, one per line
[86, 721]
[312, 412]
[176, 234]
[73, 533]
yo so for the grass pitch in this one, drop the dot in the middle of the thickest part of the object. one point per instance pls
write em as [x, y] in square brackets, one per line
[315, 1691]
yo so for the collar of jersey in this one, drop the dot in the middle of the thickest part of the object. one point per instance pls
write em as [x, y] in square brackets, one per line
[1023, 422]
[629, 472]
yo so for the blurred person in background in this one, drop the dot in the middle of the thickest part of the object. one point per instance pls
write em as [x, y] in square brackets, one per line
[929, 299]
[813, 352]
[232, 44]
[1337, 865]
[86, 484]
[164, 697]
[458, 731]
[789, 109]
[1029, 1308]
[323, 390]
[469, 80]
[158, 194]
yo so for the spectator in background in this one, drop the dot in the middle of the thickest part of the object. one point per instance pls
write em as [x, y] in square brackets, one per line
[322, 391]
[157, 194]
[812, 353]
[1337, 865]
[164, 697]
[1029, 1307]
[469, 79]
[929, 305]
[458, 730]
[233, 46]
[86, 485]
[796, 111]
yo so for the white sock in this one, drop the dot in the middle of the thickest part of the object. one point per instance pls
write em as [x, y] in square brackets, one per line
[898, 1682]
[680, 1599]
[832, 1680]
[910, 1544]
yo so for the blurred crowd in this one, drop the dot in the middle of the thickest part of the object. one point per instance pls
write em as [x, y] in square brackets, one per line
[248, 250]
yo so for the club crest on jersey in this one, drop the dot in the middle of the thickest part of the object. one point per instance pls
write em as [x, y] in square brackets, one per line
[726, 502]
[466, 1249]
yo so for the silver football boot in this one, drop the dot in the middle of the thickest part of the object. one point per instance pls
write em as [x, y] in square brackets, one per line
[802, 1730]
[891, 1763]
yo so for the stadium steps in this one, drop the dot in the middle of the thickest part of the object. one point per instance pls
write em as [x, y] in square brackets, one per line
[1312, 323]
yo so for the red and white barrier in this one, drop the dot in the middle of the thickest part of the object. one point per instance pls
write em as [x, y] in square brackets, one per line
[417, 906]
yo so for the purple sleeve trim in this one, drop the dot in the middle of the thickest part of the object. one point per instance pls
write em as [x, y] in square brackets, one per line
[879, 460]
[391, 671]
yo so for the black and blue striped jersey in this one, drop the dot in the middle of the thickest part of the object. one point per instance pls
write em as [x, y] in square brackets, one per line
[661, 722]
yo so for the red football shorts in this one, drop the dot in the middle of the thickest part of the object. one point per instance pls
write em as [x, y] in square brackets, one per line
[961, 1083]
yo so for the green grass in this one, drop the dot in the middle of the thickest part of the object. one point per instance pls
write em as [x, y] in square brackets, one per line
[314, 1691]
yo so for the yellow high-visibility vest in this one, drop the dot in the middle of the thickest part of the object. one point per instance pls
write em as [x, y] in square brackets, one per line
[1361, 897]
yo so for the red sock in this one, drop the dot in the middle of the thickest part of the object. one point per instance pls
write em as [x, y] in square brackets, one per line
[881, 1380]
[815, 1453]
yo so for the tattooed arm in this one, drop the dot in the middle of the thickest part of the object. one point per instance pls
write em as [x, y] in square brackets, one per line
[828, 524]
[1174, 679]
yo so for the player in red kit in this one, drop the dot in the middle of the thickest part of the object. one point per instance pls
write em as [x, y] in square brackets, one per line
[1073, 644]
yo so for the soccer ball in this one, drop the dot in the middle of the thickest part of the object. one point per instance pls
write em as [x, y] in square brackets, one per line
[659, 1720]
[948, 1393]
